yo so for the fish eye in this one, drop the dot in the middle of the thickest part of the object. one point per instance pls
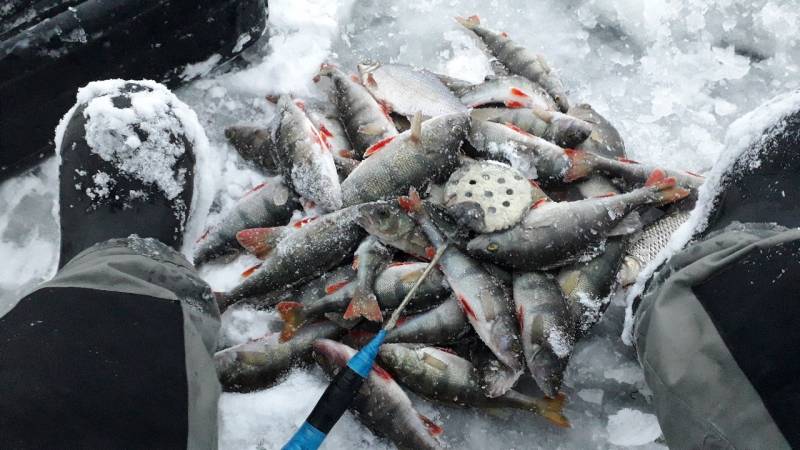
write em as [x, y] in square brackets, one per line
[492, 247]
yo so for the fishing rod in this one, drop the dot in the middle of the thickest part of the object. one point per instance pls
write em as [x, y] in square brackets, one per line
[345, 385]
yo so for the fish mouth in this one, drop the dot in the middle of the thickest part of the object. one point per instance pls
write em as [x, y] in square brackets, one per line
[331, 351]
[366, 67]
[547, 370]
[469, 215]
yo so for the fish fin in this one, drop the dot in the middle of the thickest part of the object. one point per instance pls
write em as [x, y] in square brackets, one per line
[333, 287]
[340, 321]
[416, 127]
[371, 80]
[629, 224]
[543, 114]
[365, 305]
[411, 277]
[552, 410]
[434, 429]
[513, 104]
[325, 69]
[434, 362]
[668, 190]
[580, 164]
[411, 202]
[378, 146]
[260, 241]
[293, 318]
[249, 271]
[371, 129]
[469, 22]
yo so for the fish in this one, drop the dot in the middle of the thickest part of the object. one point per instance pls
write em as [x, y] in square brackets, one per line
[483, 298]
[366, 121]
[268, 204]
[262, 363]
[546, 328]
[558, 128]
[454, 84]
[623, 171]
[535, 157]
[392, 226]
[440, 375]
[604, 139]
[443, 324]
[554, 234]
[391, 287]
[306, 160]
[495, 378]
[407, 90]
[254, 144]
[319, 245]
[370, 259]
[332, 132]
[426, 152]
[587, 285]
[645, 246]
[519, 60]
[381, 404]
[513, 91]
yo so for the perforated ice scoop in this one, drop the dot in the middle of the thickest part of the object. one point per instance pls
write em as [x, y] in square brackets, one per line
[488, 196]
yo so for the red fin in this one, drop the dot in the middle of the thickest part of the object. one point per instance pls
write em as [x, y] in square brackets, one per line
[254, 189]
[324, 131]
[446, 350]
[364, 305]
[411, 202]
[203, 236]
[355, 263]
[535, 184]
[381, 372]
[346, 153]
[553, 410]
[627, 161]
[371, 80]
[669, 192]
[520, 317]
[474, 18]
[303, 222]
[433, 428]
[400, 263]
[513, 104]
[656, 176]
[355, 79]
[385, 107]
[607, 194]
[580, 165]
[331, 288]
[467, 309]
[376, 147]
[401, 320]
[300, 104]
[504, 34]
[518, 92]
[539, 202]
[259, 241]
[516, 128]
[292, 315]
[249, 271]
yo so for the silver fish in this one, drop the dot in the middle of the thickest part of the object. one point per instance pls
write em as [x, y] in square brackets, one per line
[390, 224]
[519, 60]
[269, 204]
[370, 259]
[406, 90]
[442, 325]
[546, 327]
[513, 91]
[560, 129]
[631, 173]
[426, 152]
[381, 404]
[305, 159]
[555, 234]
[447, 377]
[262, 363]
[364, 119]
[644, 247]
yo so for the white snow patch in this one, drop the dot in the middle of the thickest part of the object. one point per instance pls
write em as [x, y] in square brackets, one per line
[630, 427]
[202, 68]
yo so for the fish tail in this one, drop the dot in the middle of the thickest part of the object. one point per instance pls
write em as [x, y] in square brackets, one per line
[364, 304]
[469, 22]
[667, 190]
[411, 202]
[293, 318]
[325, 70]
[552, 409]
[581, 165]
[260, 241]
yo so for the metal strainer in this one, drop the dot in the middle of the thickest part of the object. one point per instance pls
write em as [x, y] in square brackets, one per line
[488, 196]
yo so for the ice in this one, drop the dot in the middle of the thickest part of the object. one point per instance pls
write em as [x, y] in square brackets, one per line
[631, 427]
[672, 75]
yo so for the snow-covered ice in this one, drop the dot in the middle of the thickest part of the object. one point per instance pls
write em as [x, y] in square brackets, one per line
[672, 75]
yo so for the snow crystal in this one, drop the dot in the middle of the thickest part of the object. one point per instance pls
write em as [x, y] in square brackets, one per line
[631, 427]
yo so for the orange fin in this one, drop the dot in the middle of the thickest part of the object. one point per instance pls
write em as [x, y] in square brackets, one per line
[411, 202]
[364, 305]
[668, 190]
[433, 428]
[331, 288]
[260, 241]
[293, 318]
[580, 165]
[249, 271]
[553, 411]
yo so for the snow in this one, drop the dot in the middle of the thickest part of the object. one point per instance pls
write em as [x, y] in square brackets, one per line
[672, 75]
[630, 427]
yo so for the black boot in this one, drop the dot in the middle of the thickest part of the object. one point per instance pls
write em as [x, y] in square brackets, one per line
[127, 167]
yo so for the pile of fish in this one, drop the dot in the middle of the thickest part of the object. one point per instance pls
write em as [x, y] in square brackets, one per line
[539, 215]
